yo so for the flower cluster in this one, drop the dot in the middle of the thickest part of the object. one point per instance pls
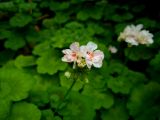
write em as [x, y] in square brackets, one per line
[134, 35]
[85, 55]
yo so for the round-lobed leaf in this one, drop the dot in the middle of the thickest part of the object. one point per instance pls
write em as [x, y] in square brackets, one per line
[24, 111]
[5, 108]
[15, 84]
[144, 102]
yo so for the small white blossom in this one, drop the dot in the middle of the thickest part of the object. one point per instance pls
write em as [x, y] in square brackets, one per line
[92, 56]
[134, 35]
[112, 49]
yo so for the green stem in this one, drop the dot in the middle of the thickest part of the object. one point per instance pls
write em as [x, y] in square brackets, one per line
[67, 93]
[126, 60]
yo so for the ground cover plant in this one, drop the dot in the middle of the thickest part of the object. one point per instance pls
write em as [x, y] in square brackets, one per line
[79, 60]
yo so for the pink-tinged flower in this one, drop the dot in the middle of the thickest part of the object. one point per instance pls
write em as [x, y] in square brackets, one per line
[71, 55]
[92, 56]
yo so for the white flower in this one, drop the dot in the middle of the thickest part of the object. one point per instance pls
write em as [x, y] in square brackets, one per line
[134, 35]
[130, 34]
[92, 56]
[145, 37]
[131, 41]
[71, 55]
[83, 55]
[112, 49]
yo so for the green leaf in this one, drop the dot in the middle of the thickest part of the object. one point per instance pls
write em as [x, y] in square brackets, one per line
[148, 23]
[34, 35]
[100, 98]
[55, 6]
[15, 42]
[155, 62]
[4, 109]
[9, 6]
[154, 68]
[48, 23]
[78, 107]
[109, 11]
[114, 68]
[72, 32]
[82, 15]
[138, 9]
[125, 82]
[67, 82]
[47, 115]
[122, 17]
[117, 112]
[24, 111]
[15, 84]
[39, 93]
[77, 2]
[94, 12]
[95, 81]
[5, 56]
[24, 61]
[20, 20]
[18, 1]
[56, 96]
[50, 63]
[42, 48]
[156, 40]
[138, 53]
[119, 85]
[27, 6]
[5, 34]
[61, 17]
[94, 28]
[143, 104]
[120, 27]
[40, 98]
[74, 25]
[61, 38]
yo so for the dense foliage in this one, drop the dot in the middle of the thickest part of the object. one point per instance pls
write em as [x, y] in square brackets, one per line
[33, 85]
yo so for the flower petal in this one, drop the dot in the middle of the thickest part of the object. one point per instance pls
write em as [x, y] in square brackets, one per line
[83, 50]
[74, 46]
[89, 63]
[131, 41]
[98, 55]
[66, 59]
[139, 27]
[97, 64]
[91, 46]
[67, 51]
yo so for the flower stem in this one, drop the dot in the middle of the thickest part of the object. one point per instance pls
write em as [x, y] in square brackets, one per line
[68, 91]
[126, 60]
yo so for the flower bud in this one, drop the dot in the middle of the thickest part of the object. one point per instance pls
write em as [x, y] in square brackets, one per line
[67, 74]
